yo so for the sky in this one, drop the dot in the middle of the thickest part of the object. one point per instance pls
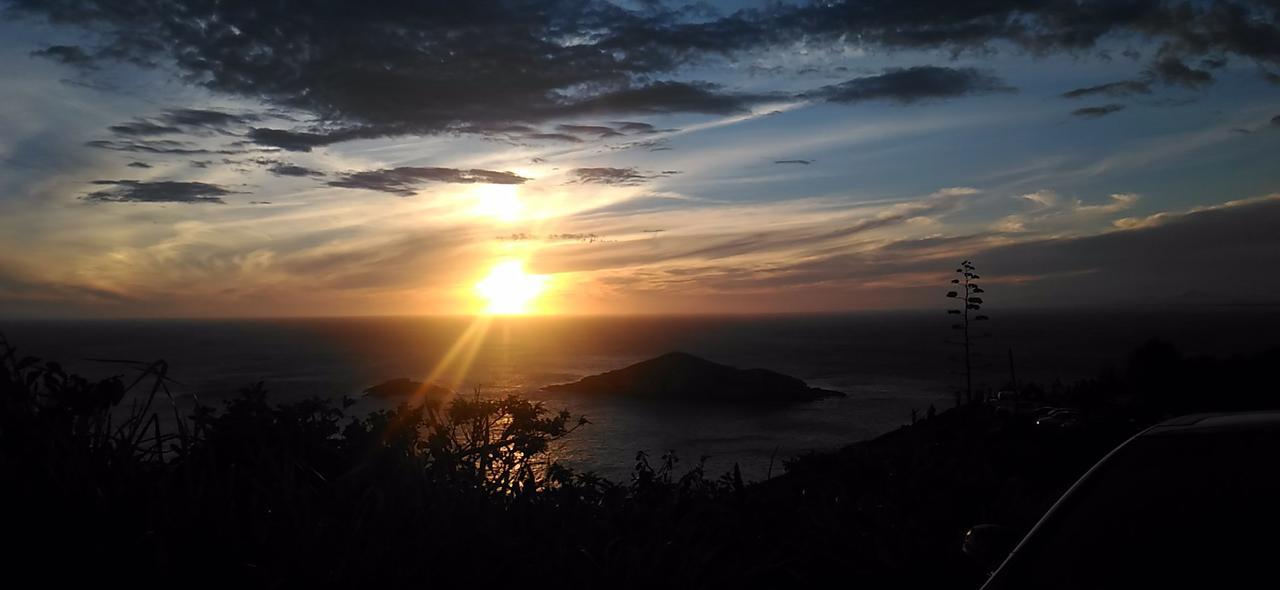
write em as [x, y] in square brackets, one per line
[240, 158]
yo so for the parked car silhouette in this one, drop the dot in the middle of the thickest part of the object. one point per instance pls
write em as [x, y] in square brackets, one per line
[1059, 418]
[1191, 502]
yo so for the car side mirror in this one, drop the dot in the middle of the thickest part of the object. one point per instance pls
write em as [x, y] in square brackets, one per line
[988, 545]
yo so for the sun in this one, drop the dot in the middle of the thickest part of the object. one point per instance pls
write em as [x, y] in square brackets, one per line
[509, 289]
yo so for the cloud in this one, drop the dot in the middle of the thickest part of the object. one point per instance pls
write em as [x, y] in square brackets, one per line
[205, 118]
[633, 127]
[405, 180]
[616, 176]
[1173, 71]
[281, 168]
[305, 141]
[648, 203]
[1098, 111]
[802, 162]
[160, 146]
[911, 85]
[732, 235]
[554, 137]
[138, 165]
[1116, 202]
[668, 97]
[72, 55]
[143, 128]
[1116, 89]
[176, 121]
[1219, 249]
[1275, 121]
[1052, 213]
[135, 191]
[413, 69]
[596, 130]
[566, 132]
[285, 169]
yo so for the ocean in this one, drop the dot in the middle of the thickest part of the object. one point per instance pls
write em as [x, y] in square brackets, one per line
[887, 363]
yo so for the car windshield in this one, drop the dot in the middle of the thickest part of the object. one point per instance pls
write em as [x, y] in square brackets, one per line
[1166, 510]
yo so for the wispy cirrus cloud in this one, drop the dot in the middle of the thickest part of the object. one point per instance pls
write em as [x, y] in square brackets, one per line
[616, 176]
[1114, 89]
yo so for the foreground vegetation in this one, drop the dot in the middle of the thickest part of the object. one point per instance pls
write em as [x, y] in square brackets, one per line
[100, 482]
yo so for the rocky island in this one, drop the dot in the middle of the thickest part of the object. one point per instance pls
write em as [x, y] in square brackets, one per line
[678, 375]
[410, 390]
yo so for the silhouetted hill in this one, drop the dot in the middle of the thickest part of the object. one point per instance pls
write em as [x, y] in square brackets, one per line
[403, 387]
[678, 375]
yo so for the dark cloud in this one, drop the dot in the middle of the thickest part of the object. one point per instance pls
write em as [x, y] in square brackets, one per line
[71, 55]
[138, 165]
[1173, 71]
[1275, 121]
[1271, 77]
[135, 191]
[655, 98]
[205, 118]
[578, 133]
[803, 162]
[177, 121]
[143, 128]
[671, 97]
[912, 85]
[567, 132]
[616, 176]
[1117, 89]
[405, 180]
[1098, 111]
[305, 141]
[277, 167]
[287, 169]
[367, 70]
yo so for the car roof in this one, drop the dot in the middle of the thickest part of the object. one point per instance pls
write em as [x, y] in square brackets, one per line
[1217, 422]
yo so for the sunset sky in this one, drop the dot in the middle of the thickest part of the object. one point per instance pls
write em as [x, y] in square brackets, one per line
[254, 158]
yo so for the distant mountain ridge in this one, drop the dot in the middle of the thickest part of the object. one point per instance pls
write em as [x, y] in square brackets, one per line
[679, 375]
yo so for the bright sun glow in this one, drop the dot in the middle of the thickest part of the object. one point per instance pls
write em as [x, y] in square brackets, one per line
[499, 201]
[509, 289]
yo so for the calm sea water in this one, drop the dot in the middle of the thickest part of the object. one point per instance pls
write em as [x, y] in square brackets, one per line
[887, 363]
